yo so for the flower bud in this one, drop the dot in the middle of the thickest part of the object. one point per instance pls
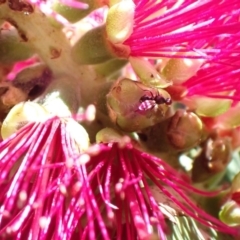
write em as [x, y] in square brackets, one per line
[94, 48]
[110, 67]
[78, 133]
[56, 106]
[178, 70]
[147, 73]
[133, 106]
[236, 184]
[185, 130]
[20, 115]
[210, 107]
[73, 14]
[108, 135]
[230, 213]
[120, 20]
[214, 158]
[12, 47]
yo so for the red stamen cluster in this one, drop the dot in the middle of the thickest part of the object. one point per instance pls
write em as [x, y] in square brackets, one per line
[192, 26]
[47, 192]
[216, 80]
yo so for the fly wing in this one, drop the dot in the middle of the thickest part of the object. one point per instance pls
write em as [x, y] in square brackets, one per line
[146, 105]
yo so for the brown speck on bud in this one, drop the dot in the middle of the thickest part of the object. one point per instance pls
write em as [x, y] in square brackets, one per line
[20, 5]
[55, 53]
[2, 1]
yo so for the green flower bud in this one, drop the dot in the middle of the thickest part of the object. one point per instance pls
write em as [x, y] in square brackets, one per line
[74, 14]
[210, 107]
[110, 67]
[179, 132]
[12, 47]
[94, 48]
[181, 69]
[230, 213]
[120, 20]
[20, 115]
[147, 73]
[79, 134]
[185, 130]
[213, 159]
[236, 183]
[132, 105]
[108, 135]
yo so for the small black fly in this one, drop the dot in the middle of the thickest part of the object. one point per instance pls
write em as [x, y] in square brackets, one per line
[150, 101]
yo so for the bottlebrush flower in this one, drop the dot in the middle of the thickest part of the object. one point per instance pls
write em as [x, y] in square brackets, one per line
[215, 83]
[122, 202]
[37, 169]
[160, 29]
[148, 29]
[49, 192]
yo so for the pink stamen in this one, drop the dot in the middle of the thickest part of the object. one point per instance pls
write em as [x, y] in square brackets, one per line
[191, 27]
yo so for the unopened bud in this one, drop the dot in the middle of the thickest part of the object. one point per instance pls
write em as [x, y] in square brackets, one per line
[236, 183]
[181, 69]
[133, 106]
[108, 135]
[120, 20]
[111, 67]
[185, 130]
[92, 48]
[20, 115]
[230, 213]
[74, 14]
[147, 73]
[78, 133]
[210, 107]
[214, 158]
[12, 47]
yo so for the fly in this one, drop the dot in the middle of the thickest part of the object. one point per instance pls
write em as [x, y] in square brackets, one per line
[149, 102]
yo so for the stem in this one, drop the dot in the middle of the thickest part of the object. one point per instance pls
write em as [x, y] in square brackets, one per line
[50, 43]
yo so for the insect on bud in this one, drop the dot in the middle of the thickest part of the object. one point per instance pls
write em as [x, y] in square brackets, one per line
[133, 106]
